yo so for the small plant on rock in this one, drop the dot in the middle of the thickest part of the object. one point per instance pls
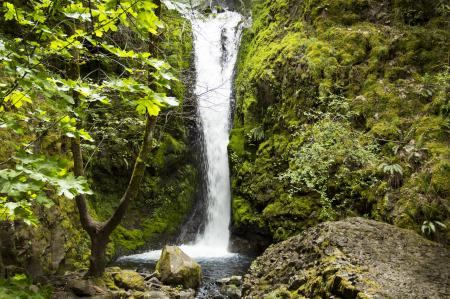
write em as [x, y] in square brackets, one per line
[429, 227]
[393, 173]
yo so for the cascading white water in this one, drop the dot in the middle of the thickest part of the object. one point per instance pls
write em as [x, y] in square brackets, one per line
[216, 40]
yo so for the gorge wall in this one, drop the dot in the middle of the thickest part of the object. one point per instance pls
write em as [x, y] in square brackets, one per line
[342, 109]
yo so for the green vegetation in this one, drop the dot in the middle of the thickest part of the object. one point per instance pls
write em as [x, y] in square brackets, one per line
[342, 109]
[93, 79]
[20, 286]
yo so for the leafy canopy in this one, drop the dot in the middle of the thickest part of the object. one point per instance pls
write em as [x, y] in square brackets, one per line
[40, 95]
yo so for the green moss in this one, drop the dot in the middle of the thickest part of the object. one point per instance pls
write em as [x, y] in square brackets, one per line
[237, 141]
[177, 48]
[243, 213]
[289, 215]
[300, 207]
[386, 130]
[130, 239]
[381, 70]
[129, 280]
[281, 293]
[108, 280]
[441, 177]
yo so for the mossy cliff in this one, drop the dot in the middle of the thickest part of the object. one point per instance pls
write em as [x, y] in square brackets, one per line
[342, 109]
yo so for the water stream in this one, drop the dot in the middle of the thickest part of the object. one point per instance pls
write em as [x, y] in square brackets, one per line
[216, 39]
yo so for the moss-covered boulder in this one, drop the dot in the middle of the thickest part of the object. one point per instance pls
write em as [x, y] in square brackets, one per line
[353, 258]
[116, 278]
[176, 268]
[129, 280]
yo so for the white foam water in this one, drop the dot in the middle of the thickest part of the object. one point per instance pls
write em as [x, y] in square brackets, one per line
[216, 41]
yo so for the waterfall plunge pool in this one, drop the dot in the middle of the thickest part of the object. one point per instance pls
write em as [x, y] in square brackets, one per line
[214, 267]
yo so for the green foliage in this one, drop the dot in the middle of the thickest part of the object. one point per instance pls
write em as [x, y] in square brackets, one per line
[31, 181]
[44, 91]
[43, 107]
[19, 286]
[244, 214]
[429, 227]
[330, 155]
[168, 189]
[394, 173]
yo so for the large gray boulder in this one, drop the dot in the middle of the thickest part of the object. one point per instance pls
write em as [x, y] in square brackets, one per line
[353, 258]
[176, 268]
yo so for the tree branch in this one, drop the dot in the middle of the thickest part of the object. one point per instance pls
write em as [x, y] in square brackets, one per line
[135, 180]
[86, 220]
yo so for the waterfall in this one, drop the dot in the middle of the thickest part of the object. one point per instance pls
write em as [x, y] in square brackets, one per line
[216, 40]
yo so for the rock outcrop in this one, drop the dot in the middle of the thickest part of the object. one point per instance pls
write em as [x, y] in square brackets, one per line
[353, 258]
[176, 268]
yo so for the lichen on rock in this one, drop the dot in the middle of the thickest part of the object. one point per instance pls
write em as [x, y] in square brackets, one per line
[353, 258]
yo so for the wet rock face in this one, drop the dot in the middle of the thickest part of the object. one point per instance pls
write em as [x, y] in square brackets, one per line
[176, 268]
[353, 258]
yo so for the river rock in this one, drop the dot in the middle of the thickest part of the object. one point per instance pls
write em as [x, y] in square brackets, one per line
[116, 277]
[353, 258]
[230, 287]
[155, 295]
[176, 268]
[231, 291]
[235, 280]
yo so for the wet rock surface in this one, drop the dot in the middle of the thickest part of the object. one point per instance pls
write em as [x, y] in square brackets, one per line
[353, 258]
[229, 287]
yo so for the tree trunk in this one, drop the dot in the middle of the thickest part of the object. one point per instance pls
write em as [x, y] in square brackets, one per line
[97, 260]
[99, 232]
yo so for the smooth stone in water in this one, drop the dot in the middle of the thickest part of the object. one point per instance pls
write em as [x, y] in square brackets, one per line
[234, 280]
